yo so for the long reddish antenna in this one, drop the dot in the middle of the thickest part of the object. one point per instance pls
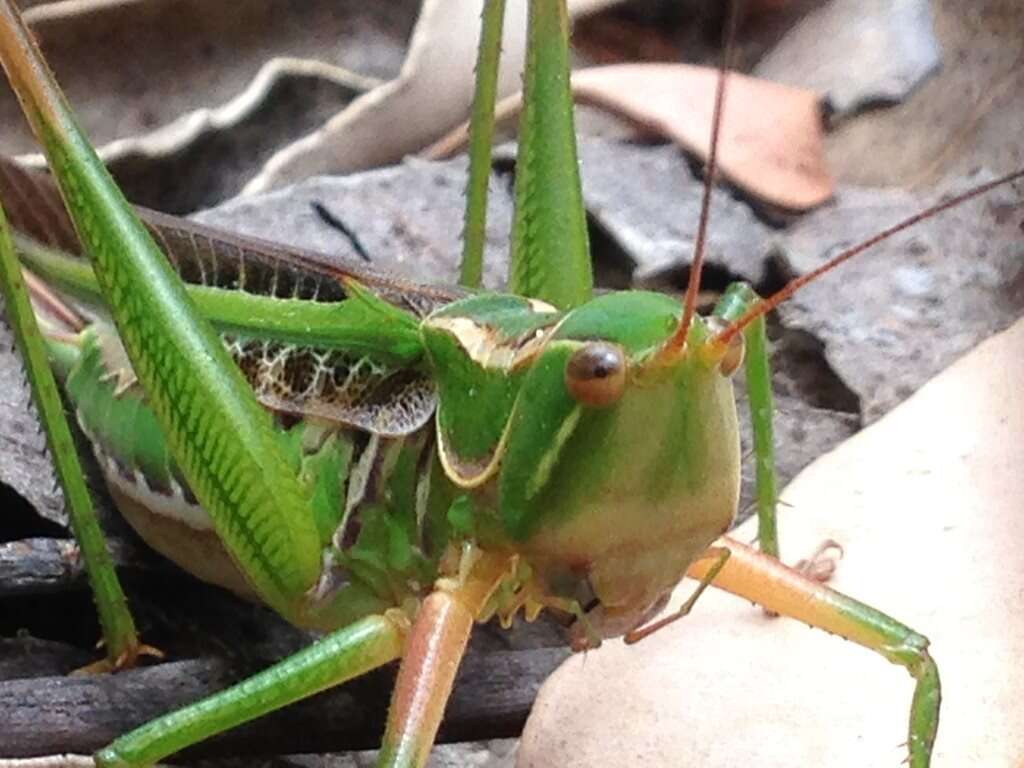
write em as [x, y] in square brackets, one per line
[767, 305]
[678, 338]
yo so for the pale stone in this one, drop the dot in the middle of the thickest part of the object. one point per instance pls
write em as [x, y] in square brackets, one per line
[928, 503]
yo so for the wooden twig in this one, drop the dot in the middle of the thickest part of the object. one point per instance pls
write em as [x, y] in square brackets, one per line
[51, 715]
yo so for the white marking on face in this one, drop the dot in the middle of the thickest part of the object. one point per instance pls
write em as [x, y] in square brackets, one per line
[482, 346]
[546, 463]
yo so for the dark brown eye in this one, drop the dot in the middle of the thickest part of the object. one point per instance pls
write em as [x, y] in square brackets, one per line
[596, 374]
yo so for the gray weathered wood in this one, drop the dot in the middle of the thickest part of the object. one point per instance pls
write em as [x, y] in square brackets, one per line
[80, 714]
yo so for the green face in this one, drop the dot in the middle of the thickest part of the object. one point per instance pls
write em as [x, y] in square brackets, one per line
[614, 469]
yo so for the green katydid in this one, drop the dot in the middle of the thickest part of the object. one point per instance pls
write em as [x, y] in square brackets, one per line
[459, 454]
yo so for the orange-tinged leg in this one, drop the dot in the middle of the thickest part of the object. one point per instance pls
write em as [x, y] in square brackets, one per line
[433, 650]
[767, 582]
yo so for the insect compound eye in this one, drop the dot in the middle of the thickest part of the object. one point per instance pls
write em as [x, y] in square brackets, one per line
[596, 374]
[734, 354]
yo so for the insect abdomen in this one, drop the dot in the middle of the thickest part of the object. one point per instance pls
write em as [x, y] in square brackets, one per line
[346, 471]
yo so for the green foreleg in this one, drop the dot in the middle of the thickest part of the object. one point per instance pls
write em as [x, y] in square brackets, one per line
[366, 324]
[737, 299]
[119, 635]
[767, 582]
[221, 438]
[550, 257]
[481, 136]
[759, 395]
[341, 656]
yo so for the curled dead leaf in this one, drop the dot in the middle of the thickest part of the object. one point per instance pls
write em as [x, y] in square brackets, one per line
[432, 94]
[771, 145]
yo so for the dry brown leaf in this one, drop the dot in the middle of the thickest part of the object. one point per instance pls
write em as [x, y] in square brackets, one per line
[771, 144]
[928, 505]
